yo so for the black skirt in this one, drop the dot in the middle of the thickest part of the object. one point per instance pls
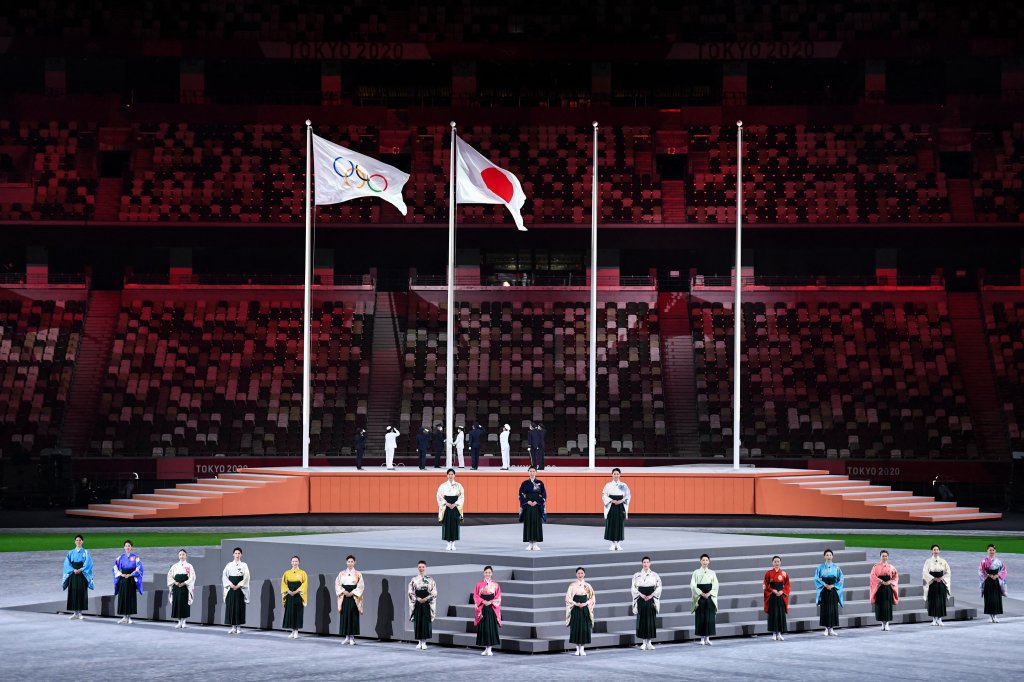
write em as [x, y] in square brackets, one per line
[828, 608]
[293, 608]
[615, 523]
[646, 615]
[883, 602]
[234, 604]
[580, 625]
[533, 524]
[937, 594]
[179, 598]
[349, 614]
[127, 597]
[450, 521]
[78, 589]
[422, 627]
[993, 595]
[704, 616]
[487, 629]
[776, 610]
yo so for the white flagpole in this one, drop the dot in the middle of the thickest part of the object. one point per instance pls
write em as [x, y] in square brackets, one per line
[307, 296]
[737, 309]
[592, 410]
[449, 404]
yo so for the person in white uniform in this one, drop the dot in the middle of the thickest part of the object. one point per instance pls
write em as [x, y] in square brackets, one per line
[506, 452]
[390, 444]
[460, 445]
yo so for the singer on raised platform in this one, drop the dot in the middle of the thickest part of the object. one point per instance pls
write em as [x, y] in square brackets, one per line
[615, 497]
[451, 497]
[533, 510]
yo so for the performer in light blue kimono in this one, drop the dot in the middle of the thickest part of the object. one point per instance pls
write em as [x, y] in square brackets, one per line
[828, 585]
[533, 510]
[127, 582]
[78, 578]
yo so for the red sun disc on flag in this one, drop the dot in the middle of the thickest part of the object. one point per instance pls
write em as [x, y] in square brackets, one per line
[498, 183]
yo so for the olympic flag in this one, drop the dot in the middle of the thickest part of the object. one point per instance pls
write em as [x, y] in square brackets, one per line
[342, 174]
[479, 181]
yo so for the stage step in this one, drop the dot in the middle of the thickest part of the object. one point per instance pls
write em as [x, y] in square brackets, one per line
[840, 497]
[231, 495]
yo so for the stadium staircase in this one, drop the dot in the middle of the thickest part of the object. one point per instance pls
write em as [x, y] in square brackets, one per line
[93, 359]
[973, 355]
[677, 364]
[385, 371]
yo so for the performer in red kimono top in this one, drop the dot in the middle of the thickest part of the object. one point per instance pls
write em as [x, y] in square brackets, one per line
[776, 598]
[487, 616]
[885, 589]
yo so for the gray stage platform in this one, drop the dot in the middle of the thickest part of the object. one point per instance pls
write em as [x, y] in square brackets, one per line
[533, 583]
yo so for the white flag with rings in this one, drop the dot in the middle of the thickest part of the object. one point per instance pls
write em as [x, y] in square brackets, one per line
[341, 175]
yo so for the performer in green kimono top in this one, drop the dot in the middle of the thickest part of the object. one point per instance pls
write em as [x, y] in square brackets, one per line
[704, 589]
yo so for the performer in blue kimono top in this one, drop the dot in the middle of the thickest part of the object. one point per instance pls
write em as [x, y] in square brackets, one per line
[78, 578]
[533, 510]
[127, 581]
[828, 585]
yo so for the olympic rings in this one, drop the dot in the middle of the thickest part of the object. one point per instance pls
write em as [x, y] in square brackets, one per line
[375, 182]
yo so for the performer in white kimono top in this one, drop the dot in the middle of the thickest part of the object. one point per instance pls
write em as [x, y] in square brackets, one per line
[181, 586]
[460, 446]
[937, 579]
[422, 593]
[390, 444]
[646, 591]
[235, 580]
[615, 497]
[506, 450]
[450, 500]
[349, 588]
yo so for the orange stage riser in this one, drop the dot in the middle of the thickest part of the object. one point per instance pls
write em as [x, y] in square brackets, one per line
[498, 493]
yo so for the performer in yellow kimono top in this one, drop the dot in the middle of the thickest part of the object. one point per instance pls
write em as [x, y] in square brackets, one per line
[349, 587]
[294, 591]
[451, 497]
[704, 588]
[937, 579]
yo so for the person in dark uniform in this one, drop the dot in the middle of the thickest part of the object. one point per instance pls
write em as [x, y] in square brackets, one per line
[538, 448]
[476, 434]
[422, 445]
[360, 447]
[439, 442]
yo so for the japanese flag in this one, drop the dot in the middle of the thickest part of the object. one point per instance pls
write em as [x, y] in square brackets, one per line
[481, 182]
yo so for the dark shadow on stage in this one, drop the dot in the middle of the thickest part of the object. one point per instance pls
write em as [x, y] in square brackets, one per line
[385, 612]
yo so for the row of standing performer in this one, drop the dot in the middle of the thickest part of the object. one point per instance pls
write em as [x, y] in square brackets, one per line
[533, 496]
[580, 598]
[433, 440]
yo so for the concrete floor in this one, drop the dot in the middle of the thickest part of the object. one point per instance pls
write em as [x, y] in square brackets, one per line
[45, 647]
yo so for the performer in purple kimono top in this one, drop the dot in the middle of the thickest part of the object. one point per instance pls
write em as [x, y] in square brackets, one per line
[127, 582]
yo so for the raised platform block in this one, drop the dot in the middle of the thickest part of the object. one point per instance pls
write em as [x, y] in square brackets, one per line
[533, 583]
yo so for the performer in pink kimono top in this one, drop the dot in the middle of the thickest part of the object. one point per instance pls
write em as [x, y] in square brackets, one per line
[992, 578]
[885, 588]
[487, 597]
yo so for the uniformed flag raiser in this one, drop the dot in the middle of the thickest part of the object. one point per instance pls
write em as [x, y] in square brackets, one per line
[341, 174]
[478, 181]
